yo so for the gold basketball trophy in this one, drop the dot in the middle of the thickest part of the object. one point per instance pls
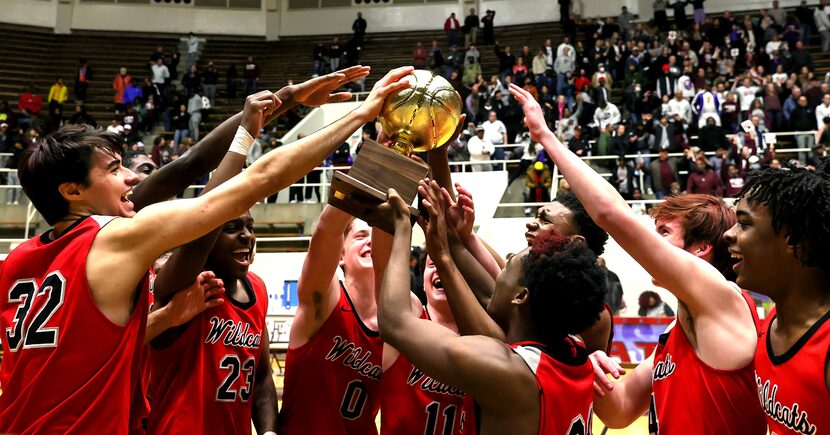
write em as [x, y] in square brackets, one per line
[419, 118]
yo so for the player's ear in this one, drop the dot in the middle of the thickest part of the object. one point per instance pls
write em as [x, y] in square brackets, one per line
[578, 238]
[71, 191]
[521, 296]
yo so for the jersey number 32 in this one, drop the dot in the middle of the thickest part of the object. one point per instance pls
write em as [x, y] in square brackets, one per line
[27, 327]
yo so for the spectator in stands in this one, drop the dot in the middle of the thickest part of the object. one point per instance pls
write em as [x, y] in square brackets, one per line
[335, 52]
[58, 94]
[495, 132]
[192, 80]
[487, 23]
[419, 56]
[622, 178]
[12, 162]
[822, 21]
[803, 119]
[563, 65]
[194, 109]
[660, 17]
[192, 48]
[703, 179]
[172, 62]
[680, 20]
[158, 54]
[777, 14]
[472, 68]
[652, 306]
[251, 76]
[181, 124]
[606, 114]
[626, 20]
[680, 109]
[801, 57]
[359, 28]
[538, 182]
[81, 117]
[7, 115]
[115, 126]
[823, 132]
[733, 179]
[119, 84]
[320, 53]
[817, 154]
[82, 78]
[29, 104]
[471, 24]
[823, 109]
[520, 72]
[712, 136]
[452, 29]
[210, 79]
[706, 106]
[699, 13]
[480, 149]
[663, 173]
[506, 60]
[436, 58]
[161, 74]
[539, 67]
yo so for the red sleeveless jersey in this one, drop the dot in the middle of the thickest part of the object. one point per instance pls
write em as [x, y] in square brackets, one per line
[66, 367]
[691, 397]
[332, 382]
[203, 382]
[565, 378]
[414, 403]
[791, 387]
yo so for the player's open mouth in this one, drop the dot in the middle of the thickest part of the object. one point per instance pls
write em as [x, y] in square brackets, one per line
[737, 258]
[366, 254]
[125, 197]
[438, 284]
[529, 236]
[242, 256]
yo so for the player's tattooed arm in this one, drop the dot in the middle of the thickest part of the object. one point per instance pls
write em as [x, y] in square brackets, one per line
[264, 413]
[185, 305]
[468, 363]
[469, 315]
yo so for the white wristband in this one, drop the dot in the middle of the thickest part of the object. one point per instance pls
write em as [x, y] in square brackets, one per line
[241, 142]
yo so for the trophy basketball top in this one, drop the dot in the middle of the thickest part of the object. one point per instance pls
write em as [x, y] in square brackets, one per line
[423, 116]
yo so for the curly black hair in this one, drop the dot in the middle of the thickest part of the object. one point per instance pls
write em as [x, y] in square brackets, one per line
[565, 285]
[798, 201]
[595, 236]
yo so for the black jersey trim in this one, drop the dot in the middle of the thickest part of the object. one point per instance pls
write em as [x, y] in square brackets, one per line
[792, 351]
[363, 326]
[249, 289]
[45, 239]
[568, 351]
[664, 337]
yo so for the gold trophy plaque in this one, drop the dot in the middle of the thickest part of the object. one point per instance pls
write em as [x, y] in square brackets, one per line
[420, 118]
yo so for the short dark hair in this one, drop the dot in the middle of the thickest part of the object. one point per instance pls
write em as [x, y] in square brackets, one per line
[158, 139]
[704, 219]
[595, 237]
[62, 157]
[565, 284]
[798, 201]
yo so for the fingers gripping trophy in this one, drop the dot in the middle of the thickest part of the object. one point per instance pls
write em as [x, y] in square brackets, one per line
[419, 118]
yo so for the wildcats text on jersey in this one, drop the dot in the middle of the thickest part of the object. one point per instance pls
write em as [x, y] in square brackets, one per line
[663, 369]
[431, 385]
[235, 333]
[792, 417]
[355, 358]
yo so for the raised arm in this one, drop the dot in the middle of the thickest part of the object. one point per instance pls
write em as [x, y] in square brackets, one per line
[467, 363]
[187, 261]
[469, 314]
[709, 297]
[130, 246]
[173, 178]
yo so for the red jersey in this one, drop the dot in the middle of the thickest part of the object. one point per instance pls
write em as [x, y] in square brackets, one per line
[332, 382]
[66, 367]
[565, 378]
[791, 387]
[414, 403]
[202, 381]
[691, 397]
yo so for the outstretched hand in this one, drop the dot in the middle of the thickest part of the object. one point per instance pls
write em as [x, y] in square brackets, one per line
[460, 214]
[603, 364]
[390, 83]
[200, 296]
[435, 228]
[258, 108]
[534, 117]
[320, 90]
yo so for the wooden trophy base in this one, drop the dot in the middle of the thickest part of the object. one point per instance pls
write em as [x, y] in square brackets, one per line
[365, 187]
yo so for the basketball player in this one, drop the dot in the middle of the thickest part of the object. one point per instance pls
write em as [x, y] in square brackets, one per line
[701, 375]
[413, 402]
[780, 242]
[541, 383]
[214, 374]
[88, 274]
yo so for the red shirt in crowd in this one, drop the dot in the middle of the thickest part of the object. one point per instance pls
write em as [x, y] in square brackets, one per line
[30, 103]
